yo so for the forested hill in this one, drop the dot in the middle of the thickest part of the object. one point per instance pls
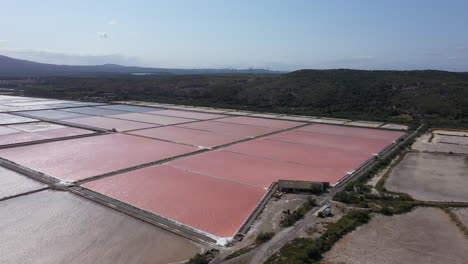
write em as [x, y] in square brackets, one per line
[11, 67]
[435, 96]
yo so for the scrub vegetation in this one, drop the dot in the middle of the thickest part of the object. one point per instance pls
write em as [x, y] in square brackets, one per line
[436, 97]
[307, 250]
[260, 239]
[298, 214]
[203, 258]
[359, 193]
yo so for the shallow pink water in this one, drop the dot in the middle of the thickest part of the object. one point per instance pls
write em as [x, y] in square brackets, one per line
[24, 137]
[110, 123]
[305, 154]
[360, 145]
[188, 136]
[153, 119]
[281, 124]
[186, 114]
[252, 170]
[4, 130]
[353, 131]
[77, 159]
[63, 132]
[212, 205]
[12, 119]
[230, 129]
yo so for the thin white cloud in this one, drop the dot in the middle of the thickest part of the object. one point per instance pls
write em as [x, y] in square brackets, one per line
[103, 35]
[3, 41]
[113, 22]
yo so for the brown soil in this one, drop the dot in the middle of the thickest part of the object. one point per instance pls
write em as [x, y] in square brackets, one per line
[425, 235]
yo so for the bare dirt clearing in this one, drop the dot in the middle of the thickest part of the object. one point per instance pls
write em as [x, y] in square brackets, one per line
[395, 126]
[431, 177]
[450, 140]
[268, 221]
[425, 235]
[451, 132]
[273, 211]
[423, 144]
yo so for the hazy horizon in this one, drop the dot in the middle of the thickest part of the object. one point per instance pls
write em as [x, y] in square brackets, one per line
[278, 35]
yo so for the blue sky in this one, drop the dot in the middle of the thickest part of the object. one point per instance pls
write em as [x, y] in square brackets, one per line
[280, 35]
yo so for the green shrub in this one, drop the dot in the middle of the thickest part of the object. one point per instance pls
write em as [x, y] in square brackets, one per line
[241, 251]
[289, 220]
[346, 197]
[313, 253]
[264, 237]
[363, 204]
[204, 258]
[346, 224]
[311, 201]
[386, 211]
[306, 250]
[199, 259]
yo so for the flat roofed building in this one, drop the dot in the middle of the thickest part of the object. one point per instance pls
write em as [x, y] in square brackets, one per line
[302, 186]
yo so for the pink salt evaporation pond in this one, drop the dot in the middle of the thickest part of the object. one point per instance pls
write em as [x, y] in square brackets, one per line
[80, 158]
[230, 128]
[353, 131]
[243, 120]
[188, 136]
[110, 123]
[304, 154]
[40, 131]
[251, 170]
[186, 114]
[359, 145]
[4, 130]
[153, 119]
[12, 119]
[212, 205]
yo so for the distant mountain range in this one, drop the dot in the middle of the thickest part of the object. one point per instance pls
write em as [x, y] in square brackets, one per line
[10, 67]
